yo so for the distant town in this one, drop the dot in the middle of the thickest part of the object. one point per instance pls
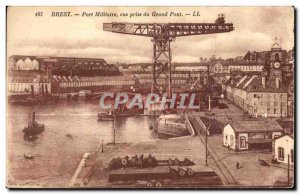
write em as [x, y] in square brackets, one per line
[260, 82]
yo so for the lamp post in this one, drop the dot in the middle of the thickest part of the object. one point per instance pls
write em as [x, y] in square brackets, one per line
[114, 129]
[288, 157]
[209, 103]
[206, 152]
[280, 110]
[222, 97]
[288, 170]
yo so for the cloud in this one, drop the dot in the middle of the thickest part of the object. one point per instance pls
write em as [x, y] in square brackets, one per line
[255, 29]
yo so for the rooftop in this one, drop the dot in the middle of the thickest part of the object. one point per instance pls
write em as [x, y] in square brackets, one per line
[253, 83]
[93, 79]
[285, 135]
[256, 126]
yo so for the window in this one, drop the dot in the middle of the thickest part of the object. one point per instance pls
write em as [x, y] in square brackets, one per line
[254, 95]
[280, 153]
[243, 142]
[277, 57]
[275, 111]
[274, 96]
[231, 141]
[226, 139]
[292, 155]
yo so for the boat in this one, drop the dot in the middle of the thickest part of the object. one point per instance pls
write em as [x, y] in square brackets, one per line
[172, 125]
[105, 116]
[28, 156]
[30, 137]
[33, 127]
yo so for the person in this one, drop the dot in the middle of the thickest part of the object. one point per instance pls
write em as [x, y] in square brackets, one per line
[237, 165]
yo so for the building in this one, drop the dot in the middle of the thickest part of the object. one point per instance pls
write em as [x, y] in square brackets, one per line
[74, 83]
[63, 66]
[135, 68]
[229, 66]
[290, 107]
[190, 74]
[248, 135]
[265, 94]
[283, 148]
[220, 68]
[182, 73]
[256, 97]
[29, 85]
[17, 62]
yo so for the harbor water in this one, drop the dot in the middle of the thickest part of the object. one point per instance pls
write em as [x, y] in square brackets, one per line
[56, 154]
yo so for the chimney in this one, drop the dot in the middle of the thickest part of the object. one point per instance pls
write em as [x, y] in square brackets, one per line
[277, 82]
[263, 81]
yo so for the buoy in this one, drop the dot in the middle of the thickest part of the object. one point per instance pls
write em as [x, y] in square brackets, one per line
[118, 163]
[111, 164]
[190, 172]
[173, 172]
[124, 162]
[181, 172]
[149, 184]
[140, 163]
[145, 162]
[134, 162]
[159, 184]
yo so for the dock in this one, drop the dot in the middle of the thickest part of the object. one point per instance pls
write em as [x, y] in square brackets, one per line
[81, 165]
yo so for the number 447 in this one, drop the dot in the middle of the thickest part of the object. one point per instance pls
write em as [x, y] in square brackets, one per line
[40, 13]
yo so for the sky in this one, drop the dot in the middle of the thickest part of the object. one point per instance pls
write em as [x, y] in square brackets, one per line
[79, 36]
